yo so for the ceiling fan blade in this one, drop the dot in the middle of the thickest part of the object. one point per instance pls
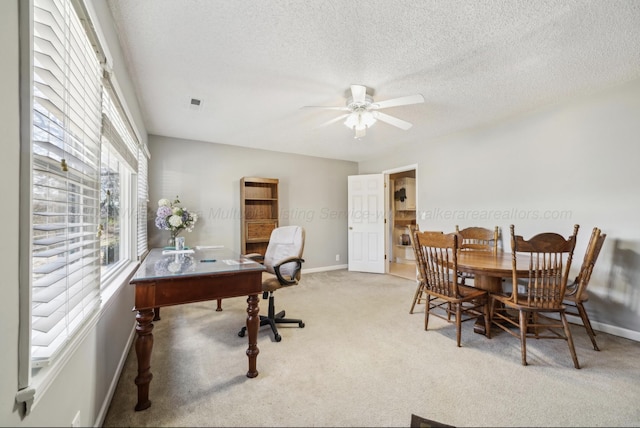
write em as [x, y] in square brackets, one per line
[402, 101]
[327, 108]
[358, 92]
[392, 120]
[334, 120]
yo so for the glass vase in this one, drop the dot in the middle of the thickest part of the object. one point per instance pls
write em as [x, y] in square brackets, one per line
[172, 240]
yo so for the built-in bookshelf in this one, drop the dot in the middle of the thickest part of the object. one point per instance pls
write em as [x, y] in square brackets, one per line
[404, 215]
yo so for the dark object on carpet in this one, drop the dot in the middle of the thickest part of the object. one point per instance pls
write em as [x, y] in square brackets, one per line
[418, 422]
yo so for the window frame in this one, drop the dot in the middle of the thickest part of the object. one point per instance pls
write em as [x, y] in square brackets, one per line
[127, 181]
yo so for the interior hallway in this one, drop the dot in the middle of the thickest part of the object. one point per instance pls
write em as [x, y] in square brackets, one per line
[403, 270]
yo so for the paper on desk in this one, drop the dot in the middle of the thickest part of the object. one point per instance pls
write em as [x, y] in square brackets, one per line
[237, 262]
[208, 247]
[165, 252]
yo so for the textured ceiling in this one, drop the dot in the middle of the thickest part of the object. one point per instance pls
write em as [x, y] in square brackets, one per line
[255, 63]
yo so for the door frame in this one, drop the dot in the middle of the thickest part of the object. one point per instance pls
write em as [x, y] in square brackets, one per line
[388, 201]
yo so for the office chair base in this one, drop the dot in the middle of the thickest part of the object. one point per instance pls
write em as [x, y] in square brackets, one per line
[277, 319]
[272, 318]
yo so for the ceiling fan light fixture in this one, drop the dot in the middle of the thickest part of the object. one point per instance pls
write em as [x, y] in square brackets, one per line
[359, 121]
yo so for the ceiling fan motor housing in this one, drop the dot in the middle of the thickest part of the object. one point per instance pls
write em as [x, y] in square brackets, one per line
[356, 106]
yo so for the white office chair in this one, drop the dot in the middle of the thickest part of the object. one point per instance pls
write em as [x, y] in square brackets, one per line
[283, 260]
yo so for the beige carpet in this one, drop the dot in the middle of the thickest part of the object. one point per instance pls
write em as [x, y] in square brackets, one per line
[363, 360]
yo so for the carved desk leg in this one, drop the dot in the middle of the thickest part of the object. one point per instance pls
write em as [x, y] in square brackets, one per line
[144, 344]
[253, 324]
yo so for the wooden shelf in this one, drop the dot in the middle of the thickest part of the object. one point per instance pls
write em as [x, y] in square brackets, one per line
[404, 215]
[259, 208]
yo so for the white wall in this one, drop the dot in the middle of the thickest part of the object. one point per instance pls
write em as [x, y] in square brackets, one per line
[577, 160]
[312, 193]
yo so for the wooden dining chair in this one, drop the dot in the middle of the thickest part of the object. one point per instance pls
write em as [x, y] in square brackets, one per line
[544, 291]
[576, 293]
[479, 239]
[419, 296]
[445, 297]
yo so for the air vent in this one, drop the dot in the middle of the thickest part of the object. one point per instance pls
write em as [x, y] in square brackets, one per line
[195, 103]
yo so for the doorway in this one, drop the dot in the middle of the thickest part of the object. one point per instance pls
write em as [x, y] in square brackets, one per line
[401, 206]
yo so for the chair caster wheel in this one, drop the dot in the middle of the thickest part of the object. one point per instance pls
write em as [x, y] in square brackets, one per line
[278, 338]
[241, 333]
[301, 324]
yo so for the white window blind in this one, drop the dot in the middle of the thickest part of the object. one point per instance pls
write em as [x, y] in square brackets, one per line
[116, 121]
[66, 166]
[116, 132]
[143, 201]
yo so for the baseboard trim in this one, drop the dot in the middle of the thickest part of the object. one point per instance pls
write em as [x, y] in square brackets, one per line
[602, 327]
[324, 269]
[102, 414]
[616, 331]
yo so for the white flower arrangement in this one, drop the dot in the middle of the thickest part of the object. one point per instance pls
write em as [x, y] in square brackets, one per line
[171, 216]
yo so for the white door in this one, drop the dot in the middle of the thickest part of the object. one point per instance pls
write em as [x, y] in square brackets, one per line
[366, 223]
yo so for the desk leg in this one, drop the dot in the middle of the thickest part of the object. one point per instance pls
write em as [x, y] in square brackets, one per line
[144, 344]
[493, 285]
[253, 324]
[219, 308]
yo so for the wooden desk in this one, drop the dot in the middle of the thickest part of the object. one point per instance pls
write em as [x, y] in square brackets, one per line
[166, 280]
[488, 270]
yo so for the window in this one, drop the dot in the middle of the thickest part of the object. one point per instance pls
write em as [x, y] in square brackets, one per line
[109, 209]
[83, 156]
[119, 162]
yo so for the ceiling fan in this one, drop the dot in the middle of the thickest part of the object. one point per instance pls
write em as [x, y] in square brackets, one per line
[364, 112]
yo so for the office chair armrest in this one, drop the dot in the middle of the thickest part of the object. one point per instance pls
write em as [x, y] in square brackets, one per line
[281, 278]
[257, 257]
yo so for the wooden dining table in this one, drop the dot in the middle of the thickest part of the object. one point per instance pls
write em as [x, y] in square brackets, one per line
[489, 270]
